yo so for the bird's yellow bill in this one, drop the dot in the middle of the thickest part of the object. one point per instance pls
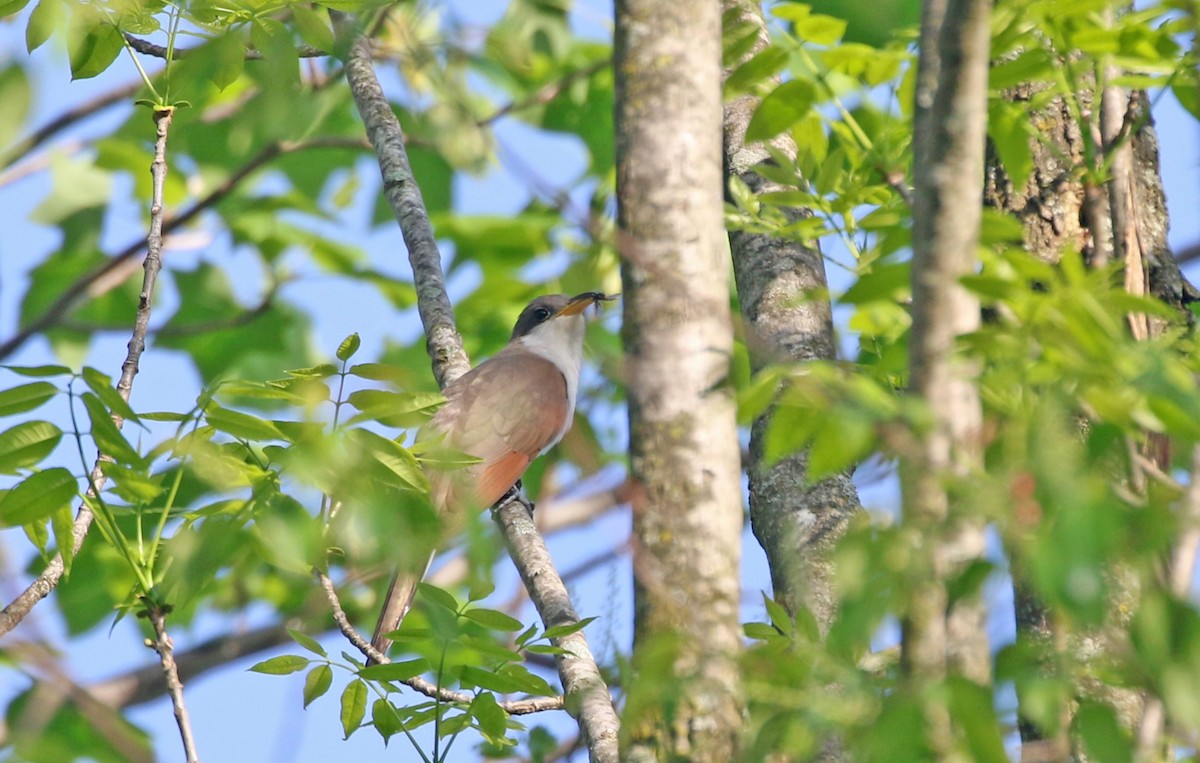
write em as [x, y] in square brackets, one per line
[582, 302]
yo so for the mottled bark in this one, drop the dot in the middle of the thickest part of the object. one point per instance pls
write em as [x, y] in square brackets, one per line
[784, 297]
[950, 120]
[1057, 211]
[684, 459]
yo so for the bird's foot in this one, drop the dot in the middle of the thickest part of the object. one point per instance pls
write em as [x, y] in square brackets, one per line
[514, 496]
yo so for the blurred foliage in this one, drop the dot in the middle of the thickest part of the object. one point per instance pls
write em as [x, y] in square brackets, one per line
[229, 504]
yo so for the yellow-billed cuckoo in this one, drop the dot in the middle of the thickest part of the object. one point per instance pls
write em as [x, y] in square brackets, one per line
[505, 412]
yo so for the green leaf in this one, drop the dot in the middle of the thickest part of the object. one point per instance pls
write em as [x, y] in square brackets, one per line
[38, 496]
[354, 706]
[397, 459]
[63, 525]
[306, 641]
[102, 385]
[385, 719]
[1103, 736]
[396, 671]
[25, 397]
[494, 619]
[282, 665]
[39, 371]
[320, 371]
[93, 45]
[767, 63]
[760, 631]
[26, 444]
[108, 437]
[348, 347]
[132, 485]
[487, 679]
[15, 93]
[241, 425]
[10, 7]
[42, 21]
[314, 26]
[379, 372]
[438, 596]
[317, 682]
[846, 437]
[395, 409]
[783, 107]
[558, 631]
[493, 721]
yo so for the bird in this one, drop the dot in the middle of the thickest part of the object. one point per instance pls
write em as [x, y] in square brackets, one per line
[505, 412]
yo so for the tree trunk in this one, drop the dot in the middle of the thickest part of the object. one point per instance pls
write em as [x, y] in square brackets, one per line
[784, 296]
[1058, 212]
[684, 458]
[950, 119]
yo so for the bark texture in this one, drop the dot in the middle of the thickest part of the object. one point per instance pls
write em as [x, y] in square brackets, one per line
[684, 459]
[784, 296]
[1057, 211]
[949, 135]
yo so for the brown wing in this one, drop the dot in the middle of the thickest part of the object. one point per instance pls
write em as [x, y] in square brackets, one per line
[503, 412]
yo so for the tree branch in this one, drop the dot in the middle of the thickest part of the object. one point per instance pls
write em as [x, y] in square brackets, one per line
[147, 48]
[587, 695]
[22, 148]
[166, 655]
[404, 195]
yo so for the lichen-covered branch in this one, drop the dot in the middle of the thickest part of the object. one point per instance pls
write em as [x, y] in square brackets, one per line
[589, 699]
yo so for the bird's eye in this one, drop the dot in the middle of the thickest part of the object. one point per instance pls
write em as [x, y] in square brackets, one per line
[541, 314]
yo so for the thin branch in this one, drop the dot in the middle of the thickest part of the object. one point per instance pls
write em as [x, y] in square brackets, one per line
[431, 690]
[84, 286]
[166, 654]
[147, 48]
[67, 118]
[545, 94]
[46, 582]
[153, 264]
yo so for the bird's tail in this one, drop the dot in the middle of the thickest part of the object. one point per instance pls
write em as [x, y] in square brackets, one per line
[395, 606]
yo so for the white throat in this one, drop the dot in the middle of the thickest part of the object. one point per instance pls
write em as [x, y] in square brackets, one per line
[560, 341]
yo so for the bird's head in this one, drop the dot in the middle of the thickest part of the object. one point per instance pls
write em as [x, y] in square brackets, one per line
[556, 314]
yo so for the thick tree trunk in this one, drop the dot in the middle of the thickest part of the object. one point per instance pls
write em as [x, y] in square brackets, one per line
[940, 637]
[684, 459]
[785, 303]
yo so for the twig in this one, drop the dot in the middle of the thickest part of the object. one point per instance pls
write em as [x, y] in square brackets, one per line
[588, 698]
[153, 264]
[83, 286]
[166, 655]
[431, 690]
[46, 582]
[147, 48]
